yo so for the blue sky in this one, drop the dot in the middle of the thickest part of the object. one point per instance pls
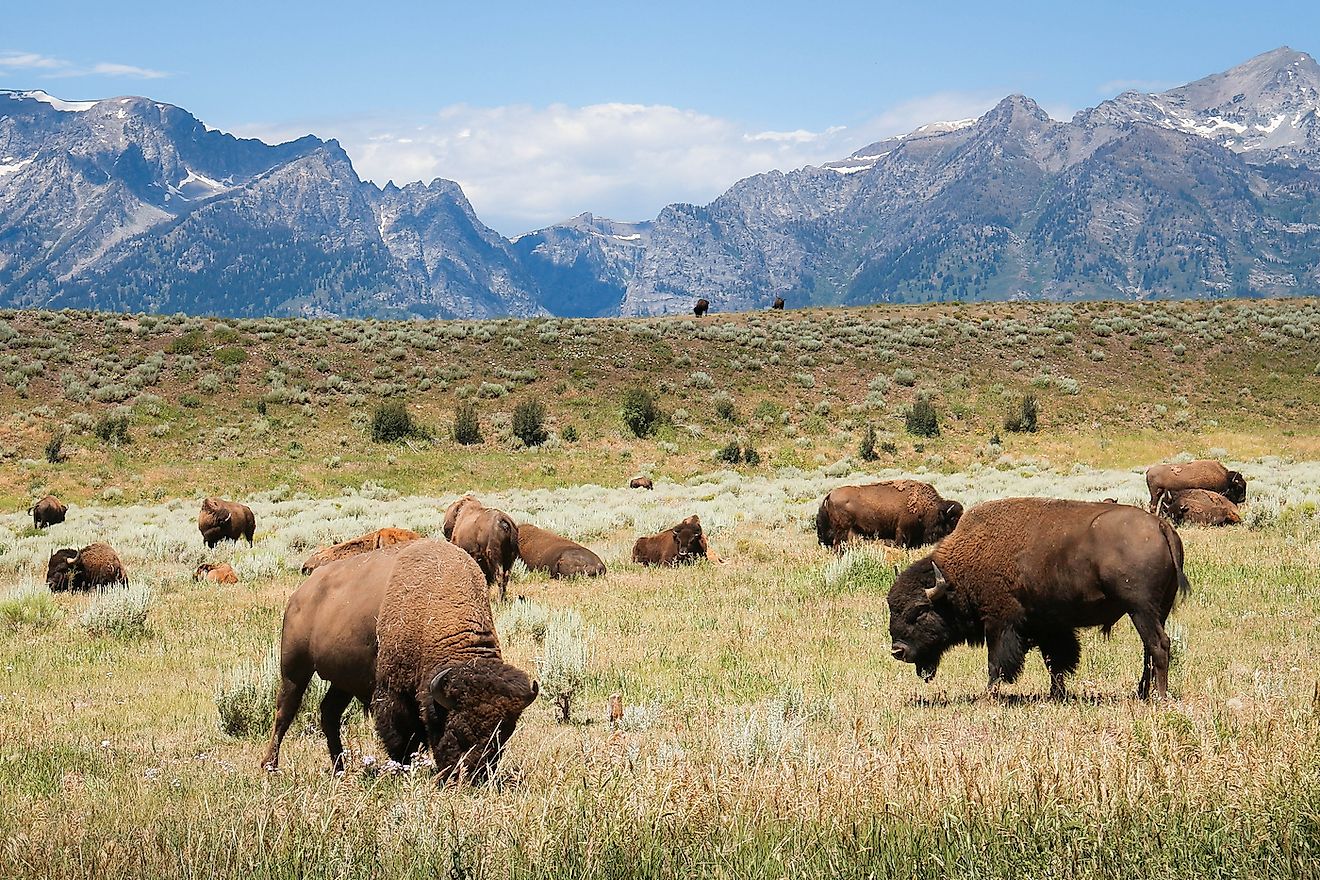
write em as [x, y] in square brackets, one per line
[545, 110]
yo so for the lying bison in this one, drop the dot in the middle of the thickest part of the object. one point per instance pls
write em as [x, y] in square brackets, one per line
[700, 309]
[96, 565]
[361, 544]
[1024, 573]
[221, 520]
[222, 573]
[1199, 507]
[908, 512]
[48, 511]
[1203, 474]
[542, 550]
[441, 680]
[683, 544]
[641, 483]
[490, 536]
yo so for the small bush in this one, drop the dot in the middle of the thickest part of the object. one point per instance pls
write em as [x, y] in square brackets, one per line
[905, 377]
[640, 414]
[392, 422]
[562, 663]
[751, 457]
[30, 605]
[467, 424]
[730, 454]
[119, 611]
[529, 422]
[189, 343]
[569, 434]
[866, 450]
[231, 355]
[1022, 420]
[921, 419]
[55, 448]
[112, 429]
[724, 408]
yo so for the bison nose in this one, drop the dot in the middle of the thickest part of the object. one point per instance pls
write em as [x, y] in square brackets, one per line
[899, 650]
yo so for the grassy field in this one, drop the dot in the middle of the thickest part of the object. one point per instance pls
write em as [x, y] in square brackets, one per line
[767, 731]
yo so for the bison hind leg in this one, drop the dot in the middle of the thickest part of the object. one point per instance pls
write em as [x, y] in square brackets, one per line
[293, 684]
[333, 705]
[1062, 651]
[1156, 660]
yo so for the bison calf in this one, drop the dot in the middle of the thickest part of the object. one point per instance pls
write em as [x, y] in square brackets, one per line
[222, 573]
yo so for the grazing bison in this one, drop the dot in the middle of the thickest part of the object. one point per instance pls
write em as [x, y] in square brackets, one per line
[1203, 474]
[702, 306]
[440, 678]
[221, 520]
[542, 550]
[47, 512]
[490, 536]
[908, 512]
[641, 483]
[1024, 573]
[217, 574]
[1199, 507]
[96, 565]
[778, 303]
[684, 543]
[361, 544]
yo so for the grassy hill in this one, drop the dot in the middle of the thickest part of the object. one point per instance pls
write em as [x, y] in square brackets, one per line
[239, 406]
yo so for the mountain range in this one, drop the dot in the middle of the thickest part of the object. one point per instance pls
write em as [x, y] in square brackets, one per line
[1211, 189]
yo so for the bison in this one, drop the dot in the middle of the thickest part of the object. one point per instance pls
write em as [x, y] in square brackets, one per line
[490, 536]
[96, 565]
[684, 543]
[217, 574]
[641, 483]
[1205, 474]
[221, 520]
[1022, 573]
[908, 512]
[778, 304]
[542, 550]
[361, 544]
[48, 511]
[1199, 507]
[421, 609]
[700, 309]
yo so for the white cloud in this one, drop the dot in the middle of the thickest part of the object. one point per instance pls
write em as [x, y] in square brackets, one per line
[48, 67]
[524, 167]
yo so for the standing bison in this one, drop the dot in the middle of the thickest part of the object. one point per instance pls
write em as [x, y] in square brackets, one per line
[1203, 474]
[96, 565]
[1024, 573]
[641, 483]
[542, 550]
[221, 520]
[683, 544]
[700, 309]
[48, 511]
[1199, 507]
[361, 544]
[908, 512]
[490, 536]
[778, 304]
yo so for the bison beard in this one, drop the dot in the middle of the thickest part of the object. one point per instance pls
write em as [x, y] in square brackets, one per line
[1027, 573]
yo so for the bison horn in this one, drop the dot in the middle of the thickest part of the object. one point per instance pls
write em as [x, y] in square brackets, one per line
[533, 692]
[941, 587]
[438, 689]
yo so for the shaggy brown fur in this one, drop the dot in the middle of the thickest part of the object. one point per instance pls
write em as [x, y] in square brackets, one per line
[683, 544]
[362, 544]
[1204, 474]
[440, 678]
[47, 512]
[489, 535]
[217, 574]
[641, 483]
[1199, 507]
[908, 512]
[778, 303]
[96, 565]
[221, 520]
[702, 306]
[1028, 572]
[542, 550]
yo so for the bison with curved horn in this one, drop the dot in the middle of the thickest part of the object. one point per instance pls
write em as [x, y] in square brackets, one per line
[96, 565]
[1204, 474]
[1199, 507]
[683, 544]
[1023, 573]
[908, 512]
[221, 520]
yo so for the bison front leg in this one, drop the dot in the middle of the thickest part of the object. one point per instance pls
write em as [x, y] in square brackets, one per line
[1005, 654]
[1061, 651]
[397, 724]
[1156, 660]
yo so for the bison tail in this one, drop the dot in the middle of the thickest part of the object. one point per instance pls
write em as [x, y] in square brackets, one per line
[824, 531]
[1176, 552]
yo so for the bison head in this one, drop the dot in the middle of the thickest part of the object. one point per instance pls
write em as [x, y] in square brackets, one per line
[950, 513]
[477, 706]
[689, 538]
[1237, 487]
[923, 622]
[62, 569]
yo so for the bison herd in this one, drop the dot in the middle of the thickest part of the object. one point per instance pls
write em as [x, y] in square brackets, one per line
[404, 623]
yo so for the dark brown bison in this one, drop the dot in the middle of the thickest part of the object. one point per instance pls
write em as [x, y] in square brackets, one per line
[1205, 474]
[1024, 573]
[778, 303]
[47, 512]
[217, 574]
[702, 306]
[908, 512]
[683, 544]
[542, 550]
[490, 536]
[96, 565]
[1199, 507]
[221, 520]
[361, 544]
[641, 483]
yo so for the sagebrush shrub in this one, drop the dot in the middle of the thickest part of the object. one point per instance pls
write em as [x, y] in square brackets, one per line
[529, 422]
[467, 424]
[392, 422]
[921, 419]
[639, 412]
[1023, 418]
[119, 611]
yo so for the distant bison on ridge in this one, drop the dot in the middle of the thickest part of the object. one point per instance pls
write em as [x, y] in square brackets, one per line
[778, 303]
[1204, 474]
[700, 309]
[908, 512]
[361, 544]
[96, 565]
[641, 483]
[48, 511]
[221, 520]
[1023, 573]
[1199, 507]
